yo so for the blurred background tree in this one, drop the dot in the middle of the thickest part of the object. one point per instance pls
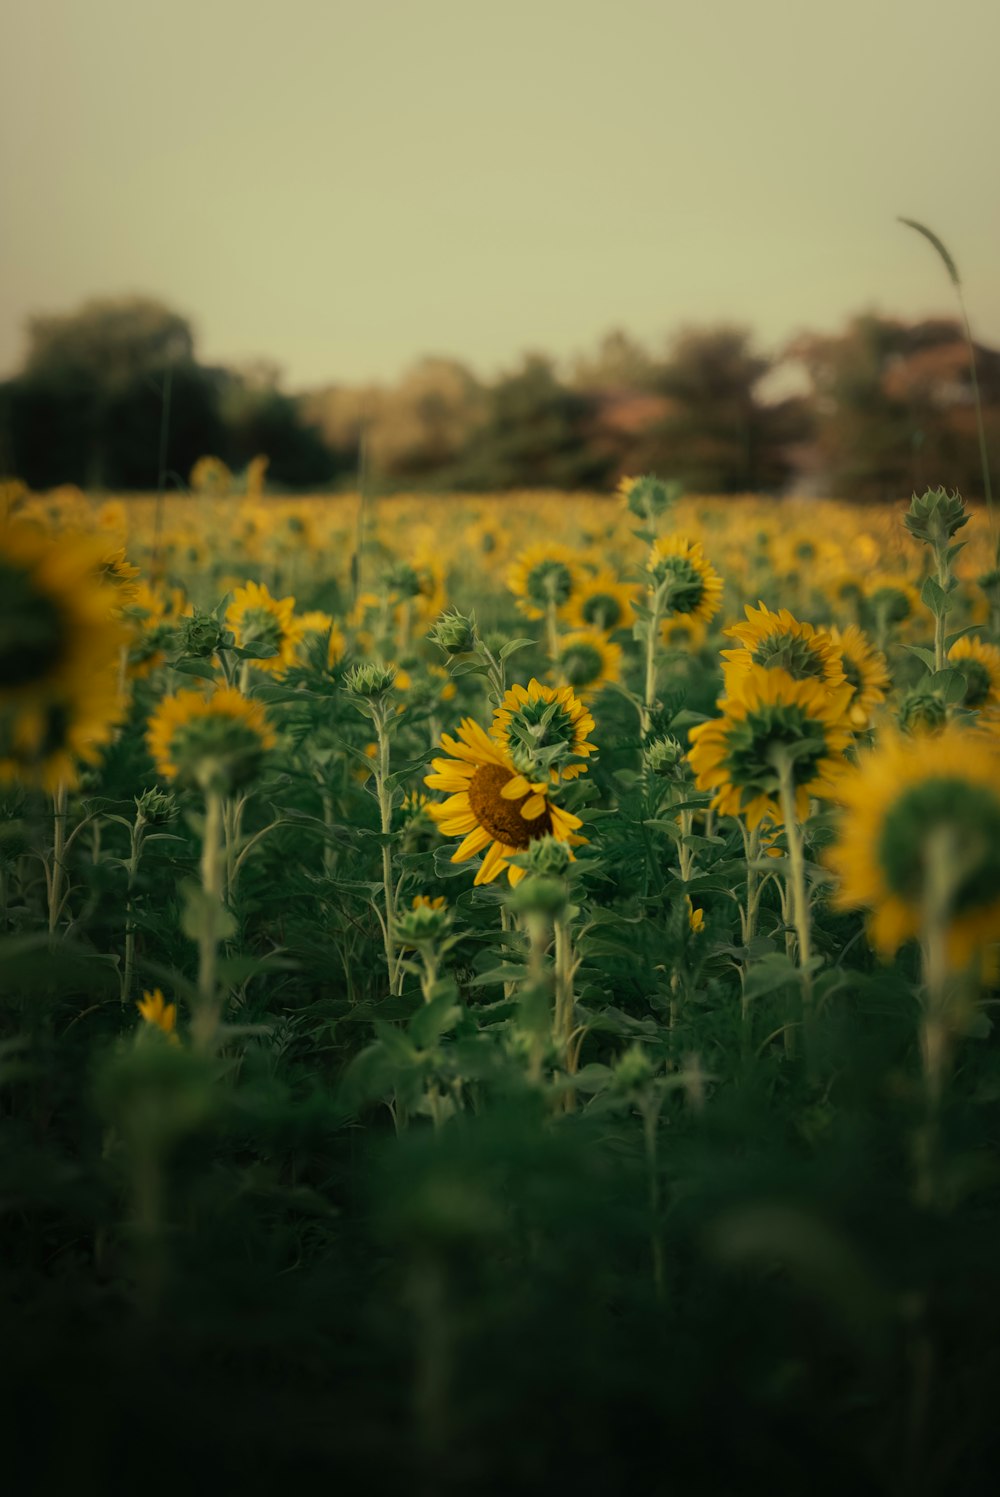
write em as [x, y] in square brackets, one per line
[872, 412]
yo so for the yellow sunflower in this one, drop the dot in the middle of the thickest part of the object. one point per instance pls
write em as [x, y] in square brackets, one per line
[603, 602]
[890, 602]
[492, 807]
[265, 623]
[545, 578]
[682, 631]
[690, 583]
[979, 663]
[312, 626]
[543, 731]
[217, 741]
[588, 660]
[159, 1014]
[918, 811]
[769, 714]
[60, 644]
[865, 671]
[778, 641]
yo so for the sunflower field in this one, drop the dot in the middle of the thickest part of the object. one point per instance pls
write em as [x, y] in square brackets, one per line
[496, 994]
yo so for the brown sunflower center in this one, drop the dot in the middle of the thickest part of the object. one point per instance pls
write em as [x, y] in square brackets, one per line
[502, 818]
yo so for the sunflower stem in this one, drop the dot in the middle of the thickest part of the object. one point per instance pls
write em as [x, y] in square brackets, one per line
[132, 869]
[565, 1004]
[206, 1020]
[384, 792]
[552, 634]
[656, 597]
[797, 877]
[58, 856]
[943, 867]
[941, 617]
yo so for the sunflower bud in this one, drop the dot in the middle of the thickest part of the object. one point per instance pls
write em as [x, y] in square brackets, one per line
[455, 632]
[921, 712]
[632, 1070]
[156, 807]
[425, 923]
[540, 894]
[649, 497]
[402, 580]
[664, 756]
[372, 681]
[200, 635]
[936, 516]
[546, 855]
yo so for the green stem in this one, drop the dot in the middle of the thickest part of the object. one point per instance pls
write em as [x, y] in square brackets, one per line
[58, 855]
[656, 597]
[565, 1004]
[384, 791]
[940, 616]
[135, 853]
[797, 878]
[206, 1020]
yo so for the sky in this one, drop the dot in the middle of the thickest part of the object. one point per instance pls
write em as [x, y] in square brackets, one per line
[344, 187]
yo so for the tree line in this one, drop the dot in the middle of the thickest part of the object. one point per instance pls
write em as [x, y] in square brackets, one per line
[113, 396]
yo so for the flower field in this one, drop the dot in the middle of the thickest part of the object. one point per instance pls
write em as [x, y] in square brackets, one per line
[500, 991]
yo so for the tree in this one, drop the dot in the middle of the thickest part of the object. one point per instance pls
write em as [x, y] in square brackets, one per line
[894, 405]
[719, 435]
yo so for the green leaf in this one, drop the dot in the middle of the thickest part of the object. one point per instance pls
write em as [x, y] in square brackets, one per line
[927, 656]
[950, 685]
[513, 645]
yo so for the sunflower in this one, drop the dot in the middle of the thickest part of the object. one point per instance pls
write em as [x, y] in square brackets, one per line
[915, 808]
[865, 671]
[890, 601]
[313, 626]
[159, 1014]
[60, 644]
[491, 806]
[603, 602]
[542, 729]
[267, 624]
[979, 663]
[587, 660]
[682, 631]
[216, 741]
[690, 583]
[769, 714]
[545, 577]
[778, 641]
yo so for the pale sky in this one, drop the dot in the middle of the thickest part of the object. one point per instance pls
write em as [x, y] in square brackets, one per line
[345, 187]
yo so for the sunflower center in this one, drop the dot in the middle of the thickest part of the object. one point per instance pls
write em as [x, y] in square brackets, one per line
[602, 611]
[33, 631]
[977, 681]
[790, 652]
[852, 674]
[971, 813]
[549, 582]
[752, 744]
[502, 818]
[260, 627]
[892, 604]
[581, 664]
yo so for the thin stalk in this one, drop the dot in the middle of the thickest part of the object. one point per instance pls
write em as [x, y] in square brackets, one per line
[132, 868]
[565, 999]
[940, 617]
[58, 856]
[656, 598]
[943, 871]
[384, 792]
[797, 890]
[206, 1021]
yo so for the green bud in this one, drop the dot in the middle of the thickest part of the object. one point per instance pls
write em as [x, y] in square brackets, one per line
[989, 584]
[424, 924]
[156, 807]
[936, 516]
[402, 580]
[371, 680]
[540, 894]
[664, 756]
[650, 497]
[455, 632]
[547, 855]
[922, 712]
[632, 1070]
[200, 635]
